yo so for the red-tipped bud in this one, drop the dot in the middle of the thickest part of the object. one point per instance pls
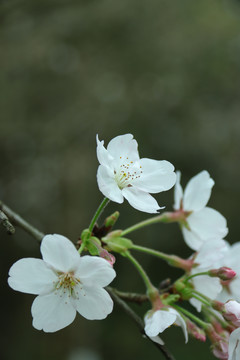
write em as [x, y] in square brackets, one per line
[195, 331]
[224, 273]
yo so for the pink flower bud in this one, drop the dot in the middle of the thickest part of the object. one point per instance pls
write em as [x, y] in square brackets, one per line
[224, 273]
[220, 349]
[219, 342]
[232, 312]
[195, 331]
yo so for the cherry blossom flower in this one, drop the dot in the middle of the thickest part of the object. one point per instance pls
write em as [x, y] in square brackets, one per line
[157, 321]
[208, 256]
[122, 174]
[234, 345]
[65, 284]
[203, 223]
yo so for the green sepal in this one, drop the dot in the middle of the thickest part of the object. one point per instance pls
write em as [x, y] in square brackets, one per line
[93, 245]
[118, 244]
[184, 289]
[170, 299]
[85, 235]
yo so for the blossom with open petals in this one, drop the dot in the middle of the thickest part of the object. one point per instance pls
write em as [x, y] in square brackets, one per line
[65, 284]
[157, 321]
[203, 223]
[122, 174]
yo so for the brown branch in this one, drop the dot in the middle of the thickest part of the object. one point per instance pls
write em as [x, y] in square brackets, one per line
[8, 216]
[138, 321]
[14, 218]
[6, 223]
[131, 297]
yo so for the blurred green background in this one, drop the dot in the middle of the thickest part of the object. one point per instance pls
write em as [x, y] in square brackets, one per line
[165, 71]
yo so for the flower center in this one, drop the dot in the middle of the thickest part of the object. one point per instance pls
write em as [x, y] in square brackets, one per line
[66, 283]
[127, 172]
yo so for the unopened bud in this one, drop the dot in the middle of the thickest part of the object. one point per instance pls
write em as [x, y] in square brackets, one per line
[93, 245]
[111, 220]
[118, 244]
[220, 349]
[223, 273]
[219, 342]
[195, 331]
[232, 312]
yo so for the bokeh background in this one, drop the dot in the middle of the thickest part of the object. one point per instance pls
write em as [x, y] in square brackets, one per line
[165, 71]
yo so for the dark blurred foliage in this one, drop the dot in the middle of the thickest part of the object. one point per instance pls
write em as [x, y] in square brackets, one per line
[166, 71]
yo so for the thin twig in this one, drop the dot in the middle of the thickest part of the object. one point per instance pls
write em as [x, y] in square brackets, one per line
[17, 220]
[138, 321]
[131, 297]
[38, 235]
[6, 223]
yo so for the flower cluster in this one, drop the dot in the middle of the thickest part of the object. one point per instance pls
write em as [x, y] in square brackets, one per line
[67, 282]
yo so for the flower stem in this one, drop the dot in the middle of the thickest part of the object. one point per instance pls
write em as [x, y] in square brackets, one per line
[150, 288]
[167, 217]
[98, 213]
[171, 259]
[205, 302]
[200, 322]
[153, 220]
[203, 296]
[209, 311]
[198, 274]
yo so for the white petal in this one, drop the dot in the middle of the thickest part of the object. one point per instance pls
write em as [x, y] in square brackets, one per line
[140, 200]
[103, 155]
[31, 276]
[123, 146]
[198, 192]
[157, 176]
[181, 322]
[211, 287]
[235, 288]
[210, 253]
[208, 223]
[178, 192]
[157, 340]
[107, 185]
[234, 345]
[59, 252]
[192, 239]
[93, 270]
[196, 303]
[207, 285]
[94, 302]
[52, 312]
[225, 295]
[158, 322]
[232, 258]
